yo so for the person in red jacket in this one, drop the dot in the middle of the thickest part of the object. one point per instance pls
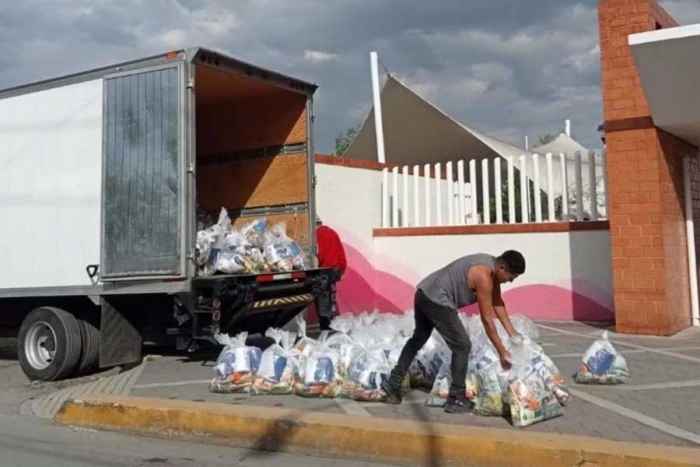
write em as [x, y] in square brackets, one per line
[331, 254]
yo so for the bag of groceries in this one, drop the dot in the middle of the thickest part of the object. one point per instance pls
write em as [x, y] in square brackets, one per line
[278, 366]
[236, 366]
[602, 364]
[441, 387]
[530, 400]
[369, 368]
[318, 374]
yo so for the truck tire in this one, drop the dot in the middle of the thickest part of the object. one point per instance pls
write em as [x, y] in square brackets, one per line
[49, 344]
[90, 352]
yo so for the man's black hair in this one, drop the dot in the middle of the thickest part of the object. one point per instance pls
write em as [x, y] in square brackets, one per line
[513, 261]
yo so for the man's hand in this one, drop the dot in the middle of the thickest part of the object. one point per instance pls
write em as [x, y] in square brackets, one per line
[505, 359]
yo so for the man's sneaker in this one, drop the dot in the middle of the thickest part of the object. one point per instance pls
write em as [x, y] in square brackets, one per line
[393, 395]
[459, 406]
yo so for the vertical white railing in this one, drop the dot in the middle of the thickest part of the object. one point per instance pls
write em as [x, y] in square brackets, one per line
[579, 186]
[564, 187]
[486, 199]
[511, 191]
[498, 189]
[474, 219]
[395, 197]
[438, 194]
[416, 196]
[551, 216]
[592, 186]
[605, 183]
[462, 211]
[385, 198]
[426, 174]
[457, 199]
[450, 195]
[536, 180]
[524, 211]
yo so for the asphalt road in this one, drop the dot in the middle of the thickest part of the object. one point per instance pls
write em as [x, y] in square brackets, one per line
[26, 441]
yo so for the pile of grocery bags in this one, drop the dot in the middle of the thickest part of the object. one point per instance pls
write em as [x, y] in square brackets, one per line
[255, 248]
[353, 362]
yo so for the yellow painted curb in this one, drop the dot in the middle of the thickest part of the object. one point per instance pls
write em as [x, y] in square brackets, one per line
[377, 439]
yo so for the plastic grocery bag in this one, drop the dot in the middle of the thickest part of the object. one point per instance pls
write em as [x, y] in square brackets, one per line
[529, 399]
[367, 371]
[342, 343]
[441, 388]
[305, 344]
[233, 256]
[209, 243]
[526, 352]
[318, 375]
[278, 366]
[492, 382]
[287, 250]
[236, 366]
[602, 364]
[254, 232]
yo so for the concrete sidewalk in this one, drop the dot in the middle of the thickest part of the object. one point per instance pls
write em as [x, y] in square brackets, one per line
[659, 405]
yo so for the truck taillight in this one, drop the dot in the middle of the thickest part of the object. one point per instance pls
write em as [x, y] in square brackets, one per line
[281, 277]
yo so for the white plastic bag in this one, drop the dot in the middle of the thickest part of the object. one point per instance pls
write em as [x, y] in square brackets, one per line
[367, 371]
[530, 400]
[602, 364]
[305, 344]
[209, 243]
[236, 366]
[278, 366]
[254, 232]
[318, 375]
[526, 352]
[441, 387]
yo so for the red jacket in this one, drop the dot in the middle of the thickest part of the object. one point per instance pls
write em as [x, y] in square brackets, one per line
[331, 253]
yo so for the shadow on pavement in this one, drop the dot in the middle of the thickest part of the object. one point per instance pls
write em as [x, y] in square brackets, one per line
[8, 349]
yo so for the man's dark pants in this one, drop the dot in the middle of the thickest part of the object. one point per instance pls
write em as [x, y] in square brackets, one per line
[429, 316]
[326, 304]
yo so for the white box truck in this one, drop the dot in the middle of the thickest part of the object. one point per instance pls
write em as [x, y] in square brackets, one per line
[103, 175]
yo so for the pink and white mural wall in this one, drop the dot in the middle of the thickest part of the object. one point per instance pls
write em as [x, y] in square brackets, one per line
[568, 277]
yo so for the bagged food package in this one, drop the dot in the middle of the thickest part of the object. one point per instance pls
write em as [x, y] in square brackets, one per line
[293, 254]
[279, 365]
[305, 344]
[318, 374]
[233, 258]
[441, 388]
[254, 232]
[236, 366]
[602, 364]
[369, 368]
[209, 243]
[525, 326]
[425, 367]
[529, 399]
[471, 391]
[492, 382]
[341, 342]
[526, 352]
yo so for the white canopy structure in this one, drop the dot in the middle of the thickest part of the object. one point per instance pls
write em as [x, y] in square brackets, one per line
[417, 133]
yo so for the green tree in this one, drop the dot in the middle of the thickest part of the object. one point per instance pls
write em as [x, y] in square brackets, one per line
[344, 140]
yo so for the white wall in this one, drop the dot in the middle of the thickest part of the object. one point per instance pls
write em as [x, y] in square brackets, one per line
[50, 186]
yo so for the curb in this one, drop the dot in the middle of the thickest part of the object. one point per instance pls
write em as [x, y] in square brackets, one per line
[387, 440]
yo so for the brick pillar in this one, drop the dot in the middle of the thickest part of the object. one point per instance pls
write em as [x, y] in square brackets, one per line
[645, 183]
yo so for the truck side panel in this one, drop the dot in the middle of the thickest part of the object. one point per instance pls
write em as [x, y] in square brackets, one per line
[50, 186]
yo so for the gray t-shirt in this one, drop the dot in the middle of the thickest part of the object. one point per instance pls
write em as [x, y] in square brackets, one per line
[448, 286]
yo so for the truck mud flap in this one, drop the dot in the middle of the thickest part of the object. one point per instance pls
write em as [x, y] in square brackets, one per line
[120, 340]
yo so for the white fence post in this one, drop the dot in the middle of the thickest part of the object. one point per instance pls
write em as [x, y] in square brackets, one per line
[593, 186]
[537, 197]
[551, 215]
[579, 186]
[405, 219]
[462, 211]
[511, 191]
[385, 198]
[498, 189]
[604, 157]
[450, 195]
[426, 176]
[474, 219]
[416, 196]
[564, 188]
[395, 196]
[524, 211]
[485, 191]
[438, 193]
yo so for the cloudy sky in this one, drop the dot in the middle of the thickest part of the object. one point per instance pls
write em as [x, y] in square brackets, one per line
[507, 67]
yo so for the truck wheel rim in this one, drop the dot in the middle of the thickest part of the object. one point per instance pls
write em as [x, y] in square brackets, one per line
[40, 345]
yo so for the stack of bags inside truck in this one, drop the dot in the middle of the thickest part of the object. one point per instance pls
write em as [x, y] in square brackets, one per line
[354, 360]
[256, 248]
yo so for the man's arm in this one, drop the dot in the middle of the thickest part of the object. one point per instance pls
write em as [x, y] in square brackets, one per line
[499, 307]
[483, 284]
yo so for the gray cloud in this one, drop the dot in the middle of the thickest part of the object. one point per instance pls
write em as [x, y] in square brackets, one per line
[508, 67]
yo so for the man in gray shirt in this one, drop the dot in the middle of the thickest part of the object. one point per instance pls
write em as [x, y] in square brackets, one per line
[471, 279]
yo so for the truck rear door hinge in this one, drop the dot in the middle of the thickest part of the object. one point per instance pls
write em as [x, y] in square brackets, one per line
[190, 84]
[190, 168]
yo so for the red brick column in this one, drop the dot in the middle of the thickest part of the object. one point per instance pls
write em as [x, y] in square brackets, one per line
[645, 183]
